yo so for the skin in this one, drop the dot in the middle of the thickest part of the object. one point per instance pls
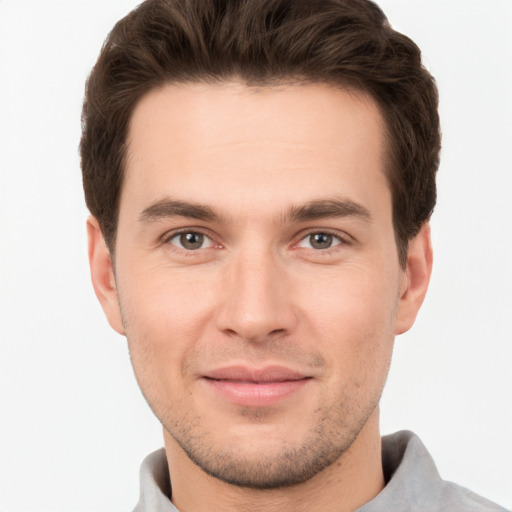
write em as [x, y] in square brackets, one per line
[258, 174]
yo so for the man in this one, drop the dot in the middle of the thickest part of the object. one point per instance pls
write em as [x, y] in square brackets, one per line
[260, 177]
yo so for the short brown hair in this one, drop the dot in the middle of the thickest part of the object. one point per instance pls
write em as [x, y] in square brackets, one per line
[348, 43]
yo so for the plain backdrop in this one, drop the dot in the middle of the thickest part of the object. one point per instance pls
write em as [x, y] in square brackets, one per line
[74, 426]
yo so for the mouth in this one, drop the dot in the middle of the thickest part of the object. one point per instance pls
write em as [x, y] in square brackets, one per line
[253, 387]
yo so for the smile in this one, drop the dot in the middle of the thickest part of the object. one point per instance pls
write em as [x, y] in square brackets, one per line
[250, 387]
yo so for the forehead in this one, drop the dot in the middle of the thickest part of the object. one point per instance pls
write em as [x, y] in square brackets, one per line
[213, 142]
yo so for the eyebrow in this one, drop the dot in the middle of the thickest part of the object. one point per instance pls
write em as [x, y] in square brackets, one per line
[330, 208]
[172, 208]
[313, 210]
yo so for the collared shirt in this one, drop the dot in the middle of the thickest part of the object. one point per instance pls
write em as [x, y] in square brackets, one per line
[413, 483]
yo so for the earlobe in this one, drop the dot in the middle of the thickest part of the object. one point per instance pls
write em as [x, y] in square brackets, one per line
[102, 275]
[416, 279]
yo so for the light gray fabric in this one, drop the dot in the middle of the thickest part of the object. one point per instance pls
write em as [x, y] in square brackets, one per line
[413, 483]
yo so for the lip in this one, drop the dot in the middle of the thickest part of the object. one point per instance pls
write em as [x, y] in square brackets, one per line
[255, 387]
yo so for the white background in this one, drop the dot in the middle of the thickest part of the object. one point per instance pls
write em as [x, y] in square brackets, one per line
[74, 426]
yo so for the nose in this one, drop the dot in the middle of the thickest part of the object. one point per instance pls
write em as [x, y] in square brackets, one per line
[257, 299]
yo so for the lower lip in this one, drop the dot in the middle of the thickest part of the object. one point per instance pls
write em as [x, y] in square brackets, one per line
[255, 394]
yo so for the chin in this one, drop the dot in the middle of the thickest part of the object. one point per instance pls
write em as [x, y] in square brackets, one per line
[261, 456]
[264, 470]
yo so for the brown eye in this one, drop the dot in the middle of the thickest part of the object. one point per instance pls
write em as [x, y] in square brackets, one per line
[320, 240]
[190, 241]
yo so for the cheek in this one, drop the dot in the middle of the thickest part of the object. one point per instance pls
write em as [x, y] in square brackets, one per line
[353, 299]
[164, 316]
[355, 317]
[161, 301]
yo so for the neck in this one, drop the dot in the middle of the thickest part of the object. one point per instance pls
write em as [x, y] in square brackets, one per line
[355, 478]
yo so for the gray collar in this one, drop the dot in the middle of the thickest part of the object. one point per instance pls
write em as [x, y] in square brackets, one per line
[412, 483]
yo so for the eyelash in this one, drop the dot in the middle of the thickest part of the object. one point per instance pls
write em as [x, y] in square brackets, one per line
[342, 240]
[166, 239]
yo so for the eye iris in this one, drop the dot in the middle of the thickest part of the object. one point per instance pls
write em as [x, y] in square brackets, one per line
[191, 240]
[320, 240]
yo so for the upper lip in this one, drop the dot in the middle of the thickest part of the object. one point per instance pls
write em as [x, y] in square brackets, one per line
[274, 373]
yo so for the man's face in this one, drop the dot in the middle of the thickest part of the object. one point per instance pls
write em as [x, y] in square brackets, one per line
[257, 273]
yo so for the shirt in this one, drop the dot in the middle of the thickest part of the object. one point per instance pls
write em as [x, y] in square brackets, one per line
[413, 483]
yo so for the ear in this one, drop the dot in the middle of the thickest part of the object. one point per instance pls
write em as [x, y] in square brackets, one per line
[102, 275]
[415, 280]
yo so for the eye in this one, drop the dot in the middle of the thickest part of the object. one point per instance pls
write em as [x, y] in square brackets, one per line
[320, 241]
[190, 240]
